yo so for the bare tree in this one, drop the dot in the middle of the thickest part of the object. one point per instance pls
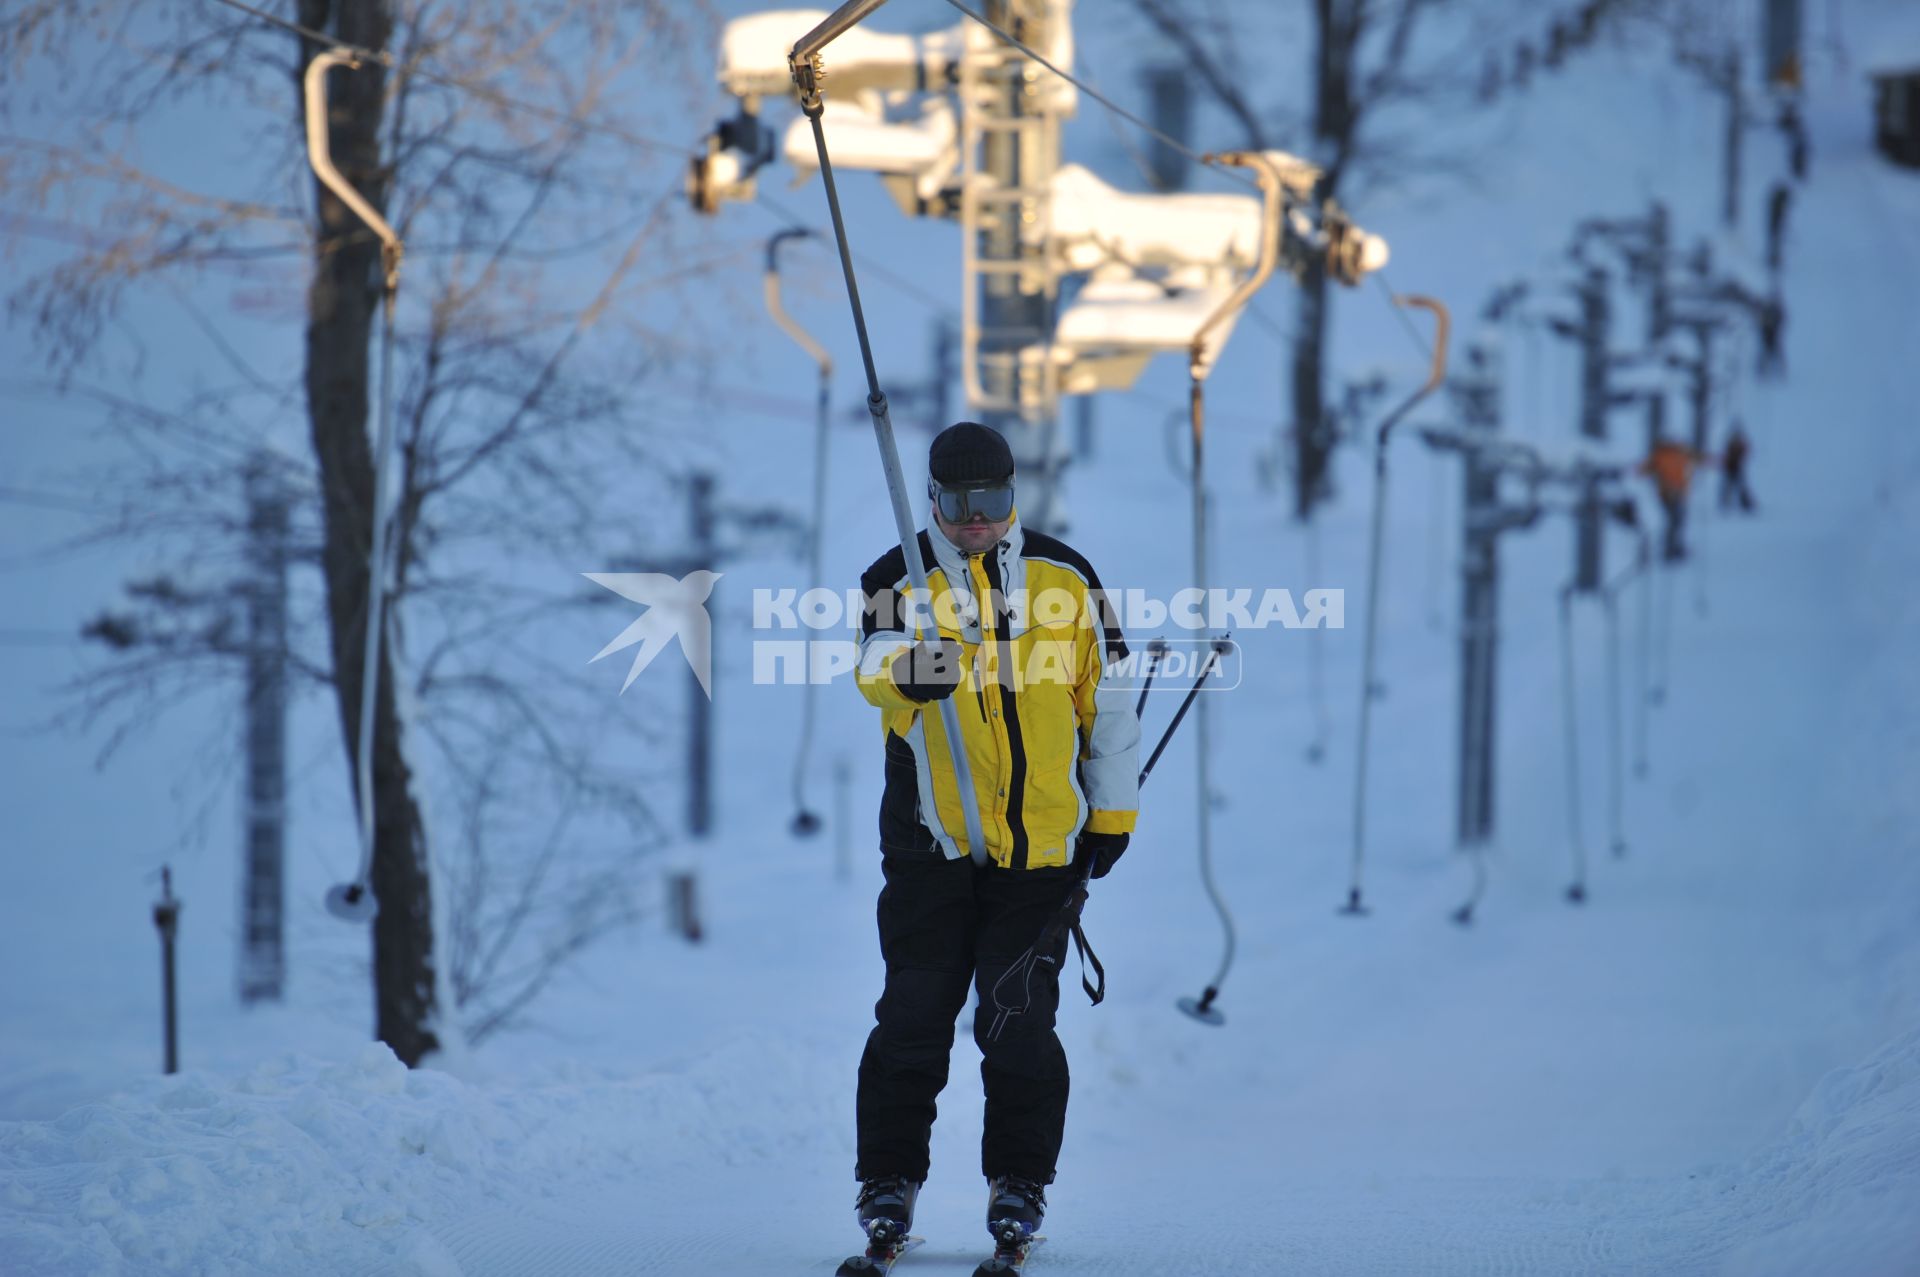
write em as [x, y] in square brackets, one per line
[1377, 69]
[1360, 69]
[498, 138]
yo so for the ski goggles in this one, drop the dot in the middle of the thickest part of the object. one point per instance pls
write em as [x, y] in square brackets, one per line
[961, 505]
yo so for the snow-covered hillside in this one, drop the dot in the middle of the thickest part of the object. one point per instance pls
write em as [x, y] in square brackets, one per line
[1712, 1067]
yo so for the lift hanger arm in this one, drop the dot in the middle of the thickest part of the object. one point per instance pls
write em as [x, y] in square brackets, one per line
[320, 156]
[804, 58]
[776, 308]
[1273, 194]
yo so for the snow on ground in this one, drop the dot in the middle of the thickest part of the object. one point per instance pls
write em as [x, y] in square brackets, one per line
[1710, 1068]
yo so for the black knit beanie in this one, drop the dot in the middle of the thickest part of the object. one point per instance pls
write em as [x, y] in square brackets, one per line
[969, 454]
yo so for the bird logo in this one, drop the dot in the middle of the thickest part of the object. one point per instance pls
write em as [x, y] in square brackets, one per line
[675, 609]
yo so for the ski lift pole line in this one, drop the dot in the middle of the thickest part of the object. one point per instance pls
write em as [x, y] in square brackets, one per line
[807, 73]
[1219, 648]
[1155, 650]
[353, 901]
[1436, 374]
[804, 820]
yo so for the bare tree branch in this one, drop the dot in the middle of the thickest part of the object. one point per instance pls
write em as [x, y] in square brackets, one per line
[495, 139]
[1176, 25]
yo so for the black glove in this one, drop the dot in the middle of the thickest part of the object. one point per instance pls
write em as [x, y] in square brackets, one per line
[1106, 850]
[930, 670]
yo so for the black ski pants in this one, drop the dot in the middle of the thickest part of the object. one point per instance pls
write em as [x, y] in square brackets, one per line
[1735, 492]
[943, 924]
[1674, 546]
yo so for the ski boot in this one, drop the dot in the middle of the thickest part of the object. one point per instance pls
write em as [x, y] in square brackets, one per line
[1014, 1210]
[885, 1209]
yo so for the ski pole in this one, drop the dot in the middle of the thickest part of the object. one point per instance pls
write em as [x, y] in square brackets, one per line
[807, 73]
[1068, 915]
[353, 901]
[1218, 649]
[1155, 650]
[804, 820]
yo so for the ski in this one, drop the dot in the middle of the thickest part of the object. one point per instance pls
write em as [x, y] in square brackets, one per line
[878, 1260]
[1009, 1260]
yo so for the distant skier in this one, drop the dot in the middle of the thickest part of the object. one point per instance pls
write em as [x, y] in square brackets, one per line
[1779, 201]
[1733, 472]
[1671, 466]
[1771, 361]
[1053, 749]
[1794, 129]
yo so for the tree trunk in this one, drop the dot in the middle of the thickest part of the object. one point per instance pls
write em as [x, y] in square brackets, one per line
[341, 304]
[1336, 31]
[1309, 398]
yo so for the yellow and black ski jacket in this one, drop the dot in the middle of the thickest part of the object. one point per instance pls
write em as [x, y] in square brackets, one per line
[1054, 750]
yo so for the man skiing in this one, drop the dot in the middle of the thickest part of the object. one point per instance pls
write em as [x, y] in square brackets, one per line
[1018, 629]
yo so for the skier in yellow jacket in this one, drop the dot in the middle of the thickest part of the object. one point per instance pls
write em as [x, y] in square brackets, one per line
[1019, 631]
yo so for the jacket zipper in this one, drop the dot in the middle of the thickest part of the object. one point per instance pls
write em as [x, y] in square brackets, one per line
[983, 598]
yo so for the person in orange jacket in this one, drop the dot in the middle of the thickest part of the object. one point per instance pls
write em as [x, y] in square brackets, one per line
[1671, 466]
